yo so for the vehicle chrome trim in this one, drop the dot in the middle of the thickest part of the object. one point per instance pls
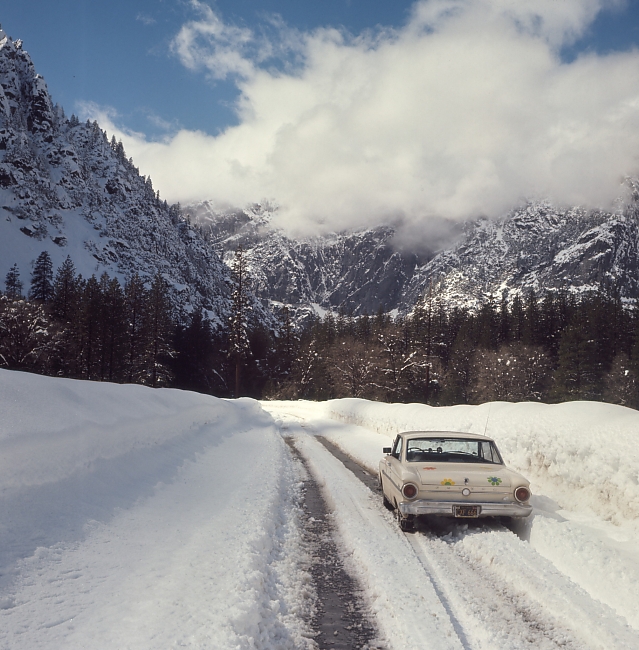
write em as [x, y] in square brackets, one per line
[424, 507]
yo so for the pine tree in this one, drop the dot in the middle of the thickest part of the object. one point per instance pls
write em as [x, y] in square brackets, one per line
[112, 330]
[239, 344]
[504, 320]
[65, 292]
[517, 318]
[363, 328]
[13, 284]
[578, 374]
[68, 289]
[197, 364]
[488, 325]
[460, 372]
[287, 344]
[159, 326]
[42, 279]
[90, 320]
[135, 305]
[532, 320]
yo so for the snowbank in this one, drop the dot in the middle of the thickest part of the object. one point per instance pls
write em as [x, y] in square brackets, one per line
[142, 518]
[588, 447]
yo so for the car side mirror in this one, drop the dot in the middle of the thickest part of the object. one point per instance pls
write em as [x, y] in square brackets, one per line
[387, 450]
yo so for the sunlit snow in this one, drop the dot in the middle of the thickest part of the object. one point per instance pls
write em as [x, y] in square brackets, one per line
[140, 518]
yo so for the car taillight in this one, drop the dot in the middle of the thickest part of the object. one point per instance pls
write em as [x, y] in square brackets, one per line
[522, 494]
[409, 491]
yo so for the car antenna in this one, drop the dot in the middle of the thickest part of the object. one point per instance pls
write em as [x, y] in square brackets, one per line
[487, 417]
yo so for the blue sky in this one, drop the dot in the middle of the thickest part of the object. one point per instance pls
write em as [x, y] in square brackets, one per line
[116, 52]
[354, 112]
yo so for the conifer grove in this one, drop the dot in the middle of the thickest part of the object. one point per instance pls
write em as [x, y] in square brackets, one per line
[553, 347]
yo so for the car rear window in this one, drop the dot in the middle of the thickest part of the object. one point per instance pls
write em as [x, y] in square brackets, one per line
[452, 450]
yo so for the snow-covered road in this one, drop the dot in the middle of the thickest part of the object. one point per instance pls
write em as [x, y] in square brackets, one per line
[133, 518]
[569, 583]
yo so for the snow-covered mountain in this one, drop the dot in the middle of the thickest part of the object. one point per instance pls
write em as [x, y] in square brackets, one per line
[537, 246]
[357, 271]
[66, 189]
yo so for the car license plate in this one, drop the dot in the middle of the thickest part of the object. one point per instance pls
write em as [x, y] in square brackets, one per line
[466, 511]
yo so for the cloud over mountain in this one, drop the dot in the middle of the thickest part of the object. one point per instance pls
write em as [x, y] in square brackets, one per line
[464, 111]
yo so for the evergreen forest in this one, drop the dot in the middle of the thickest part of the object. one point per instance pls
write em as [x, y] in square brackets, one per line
[554, 347]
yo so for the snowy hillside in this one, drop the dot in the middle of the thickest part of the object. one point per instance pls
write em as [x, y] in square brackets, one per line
[359, 271]
[66, 189]
[539, 247]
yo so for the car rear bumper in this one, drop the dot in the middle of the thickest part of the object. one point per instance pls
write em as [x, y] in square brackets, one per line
[446, 508]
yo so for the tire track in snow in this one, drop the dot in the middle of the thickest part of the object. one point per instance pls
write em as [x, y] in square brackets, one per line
[339, 619]
[490, 606]
[548, 601]
[401, 597]
[490, 614]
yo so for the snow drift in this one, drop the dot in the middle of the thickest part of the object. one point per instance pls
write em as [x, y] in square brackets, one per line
[128, 518]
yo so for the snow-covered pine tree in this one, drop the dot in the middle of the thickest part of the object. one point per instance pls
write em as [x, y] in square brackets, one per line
[25, 336]
[42, 279]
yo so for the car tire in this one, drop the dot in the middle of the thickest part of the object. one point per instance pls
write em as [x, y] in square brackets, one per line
[406, 524]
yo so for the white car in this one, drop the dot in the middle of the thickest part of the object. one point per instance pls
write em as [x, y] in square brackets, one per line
[450, 474]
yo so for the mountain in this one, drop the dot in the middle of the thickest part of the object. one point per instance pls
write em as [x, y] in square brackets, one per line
[66, 189]
[359, 272]
[535, 247]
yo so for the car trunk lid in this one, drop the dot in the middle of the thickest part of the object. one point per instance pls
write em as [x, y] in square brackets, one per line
[447, 476]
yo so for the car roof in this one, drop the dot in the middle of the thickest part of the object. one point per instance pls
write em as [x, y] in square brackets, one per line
[443, 434]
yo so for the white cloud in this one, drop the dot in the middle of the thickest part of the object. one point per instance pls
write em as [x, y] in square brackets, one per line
[466, 110]
[211, 44]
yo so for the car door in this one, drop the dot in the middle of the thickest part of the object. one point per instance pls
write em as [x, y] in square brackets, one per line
[385, 467]
[393, 470]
